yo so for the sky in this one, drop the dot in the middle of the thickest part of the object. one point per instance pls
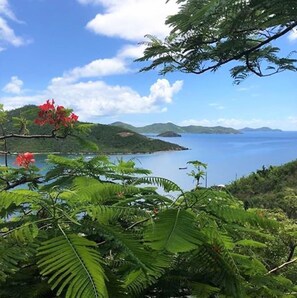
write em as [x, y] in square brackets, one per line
[81, 54]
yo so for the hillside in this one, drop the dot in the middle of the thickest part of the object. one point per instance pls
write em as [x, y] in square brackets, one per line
[169, 134]
[158, 128]
[110, 139]
[270, 188]
[263, 129]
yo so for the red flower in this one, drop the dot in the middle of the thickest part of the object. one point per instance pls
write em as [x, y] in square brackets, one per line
[24, 159]
[57, 116]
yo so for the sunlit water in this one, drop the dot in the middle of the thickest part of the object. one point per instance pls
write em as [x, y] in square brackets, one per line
[228, 156]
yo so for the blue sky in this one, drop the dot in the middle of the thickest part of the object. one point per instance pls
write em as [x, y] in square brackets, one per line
[81, 52]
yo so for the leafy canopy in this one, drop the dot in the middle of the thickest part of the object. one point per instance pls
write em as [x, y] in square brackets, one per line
[206, 34]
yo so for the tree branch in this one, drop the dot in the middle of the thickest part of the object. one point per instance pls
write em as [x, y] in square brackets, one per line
[18, 136]
[281, 266]
[21, 181]
[245, 52]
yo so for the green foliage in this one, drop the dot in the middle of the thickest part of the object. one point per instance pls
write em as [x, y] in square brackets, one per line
[72, 262]
[206, 35]
[173, 231]
[90, 227]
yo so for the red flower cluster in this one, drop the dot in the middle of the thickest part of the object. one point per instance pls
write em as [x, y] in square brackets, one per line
[24, 159]
[57, 116]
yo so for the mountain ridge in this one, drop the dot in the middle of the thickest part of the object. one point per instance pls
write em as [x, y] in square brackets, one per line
[158, 128]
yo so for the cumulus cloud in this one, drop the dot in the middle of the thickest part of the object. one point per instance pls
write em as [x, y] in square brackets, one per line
[96, 68]
[103, 67]
[94, 99]
[131, 19]
[14, 86]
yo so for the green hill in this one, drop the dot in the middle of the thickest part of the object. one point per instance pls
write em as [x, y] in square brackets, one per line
[263, 129]
[270, 188]
[158, 128]
[110, 139]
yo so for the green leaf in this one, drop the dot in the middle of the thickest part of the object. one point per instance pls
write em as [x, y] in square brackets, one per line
[74, 266]
[173, 231]
[250, 243]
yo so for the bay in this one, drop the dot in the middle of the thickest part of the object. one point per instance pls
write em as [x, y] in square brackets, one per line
[228, 156]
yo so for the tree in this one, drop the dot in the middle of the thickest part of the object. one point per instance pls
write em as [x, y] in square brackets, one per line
[96, 228]
[207, 34]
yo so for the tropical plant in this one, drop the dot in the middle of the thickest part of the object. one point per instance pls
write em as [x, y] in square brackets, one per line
[96, 228]
[206, 35]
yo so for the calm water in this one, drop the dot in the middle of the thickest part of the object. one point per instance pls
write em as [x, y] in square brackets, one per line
[228, 156]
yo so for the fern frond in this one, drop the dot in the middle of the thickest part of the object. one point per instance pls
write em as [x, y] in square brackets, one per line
[11, 254]
[73, 266]
[17, 197]
[137, 254]
[166, 184]
[214, 263]
[174, 231]
[106, 214]
[137, 281]
[93, 191]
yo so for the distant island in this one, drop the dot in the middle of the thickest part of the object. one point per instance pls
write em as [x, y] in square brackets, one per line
[264, 129]
[169, 134]
[109, 139]
[158, 128]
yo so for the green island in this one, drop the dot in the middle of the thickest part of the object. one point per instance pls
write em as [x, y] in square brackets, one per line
[157, 128]
[108, 139]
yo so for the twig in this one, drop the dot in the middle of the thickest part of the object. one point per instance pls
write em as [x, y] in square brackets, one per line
[281, 266]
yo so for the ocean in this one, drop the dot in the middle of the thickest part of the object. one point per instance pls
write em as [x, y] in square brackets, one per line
[228, 157]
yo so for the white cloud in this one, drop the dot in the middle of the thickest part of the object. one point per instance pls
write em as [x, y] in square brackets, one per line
[131, 51]
[93, 99]
[293, 35]
[103, 67]
[96, 68]
[14, 86]
[7, 34]
[131, 19]
[6, 11]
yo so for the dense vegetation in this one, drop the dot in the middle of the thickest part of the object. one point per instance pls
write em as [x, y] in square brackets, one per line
[109, 139]
[269, 188]
[157, 128]
[95, 228]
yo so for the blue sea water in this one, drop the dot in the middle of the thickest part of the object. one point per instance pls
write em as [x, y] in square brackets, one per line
[228, 156]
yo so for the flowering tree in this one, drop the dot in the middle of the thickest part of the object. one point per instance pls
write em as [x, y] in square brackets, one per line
[57, 116]
[25, 159]
[94, 229]
[61, 120]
